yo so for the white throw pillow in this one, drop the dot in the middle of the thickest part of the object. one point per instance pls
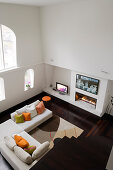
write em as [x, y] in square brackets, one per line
[31, 110]
[23, 155]
[20, 111]
[10, 142]
[40, 150]
[34, 103]
[13, 116]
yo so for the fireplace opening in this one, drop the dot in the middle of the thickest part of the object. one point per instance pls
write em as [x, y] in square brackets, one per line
[82, 97]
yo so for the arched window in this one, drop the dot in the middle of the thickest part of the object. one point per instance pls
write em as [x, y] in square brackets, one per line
[29, 79]
[2, 89]
[7, 48]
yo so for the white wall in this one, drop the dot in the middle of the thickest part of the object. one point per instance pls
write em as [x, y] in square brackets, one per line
[24, 21]
[78, 35]
[61, 75]
[57, 74]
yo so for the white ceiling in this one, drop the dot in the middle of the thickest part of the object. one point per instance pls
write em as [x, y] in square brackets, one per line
[33, 2]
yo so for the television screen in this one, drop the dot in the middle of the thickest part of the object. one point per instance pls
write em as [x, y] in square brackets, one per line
[87, 84]
[61, 87]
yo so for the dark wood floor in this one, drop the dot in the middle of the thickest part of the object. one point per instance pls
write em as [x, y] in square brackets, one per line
[76, 154]
[91, 124]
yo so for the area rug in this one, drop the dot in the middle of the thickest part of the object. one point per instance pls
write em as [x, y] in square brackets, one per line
[55, 128]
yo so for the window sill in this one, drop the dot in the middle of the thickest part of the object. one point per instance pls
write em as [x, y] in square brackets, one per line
[9, 69]
[2, 99]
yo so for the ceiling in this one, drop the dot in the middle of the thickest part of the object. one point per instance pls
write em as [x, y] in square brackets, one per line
[33, 2]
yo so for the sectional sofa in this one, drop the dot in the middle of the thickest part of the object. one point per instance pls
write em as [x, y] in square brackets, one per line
[10, 128]
[36, 121]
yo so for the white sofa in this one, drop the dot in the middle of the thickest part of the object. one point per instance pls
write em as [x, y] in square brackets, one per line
[10, 127]
[36, 121]
[13, 160]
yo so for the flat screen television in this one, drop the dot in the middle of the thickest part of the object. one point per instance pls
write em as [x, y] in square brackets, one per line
[87, 84]
[61, 88]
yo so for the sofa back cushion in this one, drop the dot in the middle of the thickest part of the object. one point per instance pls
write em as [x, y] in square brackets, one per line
[10, 142]
[36, 102]
[21, 110]
[13, 116]
[31, 109]
[23, 155]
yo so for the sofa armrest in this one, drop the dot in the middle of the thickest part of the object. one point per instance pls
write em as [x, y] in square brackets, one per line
[40, 150]
[13, 115]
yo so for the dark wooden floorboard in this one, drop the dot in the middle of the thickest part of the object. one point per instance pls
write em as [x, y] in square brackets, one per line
[75, 154]
[91, 124]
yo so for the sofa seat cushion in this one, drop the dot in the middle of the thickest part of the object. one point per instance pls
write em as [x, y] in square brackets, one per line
[8, 128]
[37, 120]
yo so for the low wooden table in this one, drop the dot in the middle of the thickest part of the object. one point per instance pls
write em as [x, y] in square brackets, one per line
[90, 153]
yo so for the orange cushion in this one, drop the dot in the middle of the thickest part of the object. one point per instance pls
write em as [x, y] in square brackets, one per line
[21, 142]
[46, 98]
[27, 116]
[40, 107]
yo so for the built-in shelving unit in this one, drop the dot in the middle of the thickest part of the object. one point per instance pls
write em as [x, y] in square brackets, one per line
[101, 98]
[86, 93]
[65, 97]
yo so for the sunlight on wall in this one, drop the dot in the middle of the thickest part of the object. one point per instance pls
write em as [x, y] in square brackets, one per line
[29, 79]
[2, 89]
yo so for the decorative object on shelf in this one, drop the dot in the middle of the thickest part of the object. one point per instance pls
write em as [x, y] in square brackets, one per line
[63, 89]
[54, 88]
[110, 106]
[28, 84]
[29, 79]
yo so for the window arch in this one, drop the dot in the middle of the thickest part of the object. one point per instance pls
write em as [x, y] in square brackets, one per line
[29, 79]
[2, 89]
[7, 48]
